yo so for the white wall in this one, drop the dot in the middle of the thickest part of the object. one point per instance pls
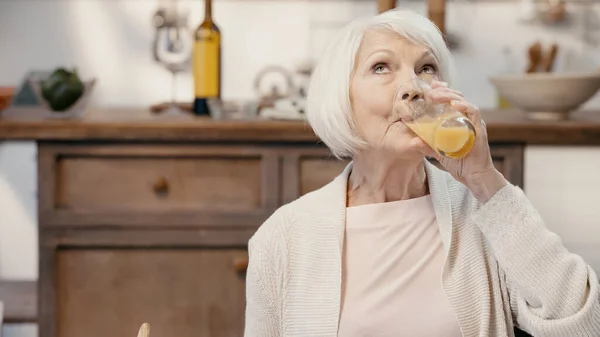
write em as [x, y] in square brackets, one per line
[18, 220]
[18, 210]
[563, 184]
[111, 40]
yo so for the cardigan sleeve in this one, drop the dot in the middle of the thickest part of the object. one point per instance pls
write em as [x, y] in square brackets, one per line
[262, 319]
[553, 292]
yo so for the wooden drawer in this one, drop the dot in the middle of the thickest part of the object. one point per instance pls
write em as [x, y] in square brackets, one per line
[145, 184]
[148, 184]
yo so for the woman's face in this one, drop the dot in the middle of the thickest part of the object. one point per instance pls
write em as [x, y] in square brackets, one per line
[384, 61]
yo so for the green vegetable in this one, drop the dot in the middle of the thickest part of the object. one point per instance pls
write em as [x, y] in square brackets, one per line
[62, 89]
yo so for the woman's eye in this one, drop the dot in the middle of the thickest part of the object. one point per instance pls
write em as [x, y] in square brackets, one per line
[429, 69]
[380, 68]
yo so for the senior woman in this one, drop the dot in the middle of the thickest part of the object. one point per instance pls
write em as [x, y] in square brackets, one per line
[394, 246]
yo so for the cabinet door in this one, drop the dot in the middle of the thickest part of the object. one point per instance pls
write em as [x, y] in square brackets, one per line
[508, 159]
[195, 292]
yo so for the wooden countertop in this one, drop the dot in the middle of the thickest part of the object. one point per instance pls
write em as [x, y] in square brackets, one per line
[121, 124]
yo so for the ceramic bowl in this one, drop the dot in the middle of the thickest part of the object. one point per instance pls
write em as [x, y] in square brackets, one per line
[547, 96]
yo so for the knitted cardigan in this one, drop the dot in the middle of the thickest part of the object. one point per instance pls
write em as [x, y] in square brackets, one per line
[503, 269]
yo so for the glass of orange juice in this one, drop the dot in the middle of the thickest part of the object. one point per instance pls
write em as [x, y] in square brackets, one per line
[446, 130]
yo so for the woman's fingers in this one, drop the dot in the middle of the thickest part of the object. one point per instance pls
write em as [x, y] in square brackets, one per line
[472, 112]
[439, 84]
[444, 96]
[444, 86]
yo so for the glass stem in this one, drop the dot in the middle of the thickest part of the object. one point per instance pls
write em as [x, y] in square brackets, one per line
[174, 88]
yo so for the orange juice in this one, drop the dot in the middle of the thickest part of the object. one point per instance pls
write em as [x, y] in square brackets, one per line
[454, 141]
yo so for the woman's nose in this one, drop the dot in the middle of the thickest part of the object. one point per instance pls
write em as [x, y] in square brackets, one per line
[412, 95]
[410, 92]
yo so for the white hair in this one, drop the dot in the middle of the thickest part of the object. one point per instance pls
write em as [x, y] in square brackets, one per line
[328, 103]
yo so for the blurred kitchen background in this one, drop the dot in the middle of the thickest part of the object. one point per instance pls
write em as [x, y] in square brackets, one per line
[112, 41]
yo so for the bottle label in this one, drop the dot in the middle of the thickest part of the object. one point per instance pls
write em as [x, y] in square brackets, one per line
[207, 67]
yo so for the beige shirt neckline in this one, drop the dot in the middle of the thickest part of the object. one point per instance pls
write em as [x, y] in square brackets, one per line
[392, 272]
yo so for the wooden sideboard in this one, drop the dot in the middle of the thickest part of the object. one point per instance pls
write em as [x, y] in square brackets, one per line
[154, 232]
[157, 232]
[146, 218]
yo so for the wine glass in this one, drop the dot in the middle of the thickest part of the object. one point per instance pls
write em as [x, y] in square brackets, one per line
[447, 131]
[173, 49]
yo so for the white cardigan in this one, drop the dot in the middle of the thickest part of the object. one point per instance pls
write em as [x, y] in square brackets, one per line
[503, 269]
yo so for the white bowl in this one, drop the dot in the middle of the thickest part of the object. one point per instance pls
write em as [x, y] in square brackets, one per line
[547, 96]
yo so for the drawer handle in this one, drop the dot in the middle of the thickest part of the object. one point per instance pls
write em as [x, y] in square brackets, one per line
[240, 264]
[161, 186]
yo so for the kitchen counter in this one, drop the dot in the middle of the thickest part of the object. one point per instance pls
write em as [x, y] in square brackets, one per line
[142, 125]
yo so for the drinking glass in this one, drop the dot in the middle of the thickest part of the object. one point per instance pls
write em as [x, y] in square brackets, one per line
[173, 49]
[447, 131]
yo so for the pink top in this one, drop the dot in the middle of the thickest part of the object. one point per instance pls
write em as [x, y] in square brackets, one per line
[392, 272]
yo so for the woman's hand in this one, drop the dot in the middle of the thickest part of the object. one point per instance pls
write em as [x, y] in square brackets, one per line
[476, 170]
